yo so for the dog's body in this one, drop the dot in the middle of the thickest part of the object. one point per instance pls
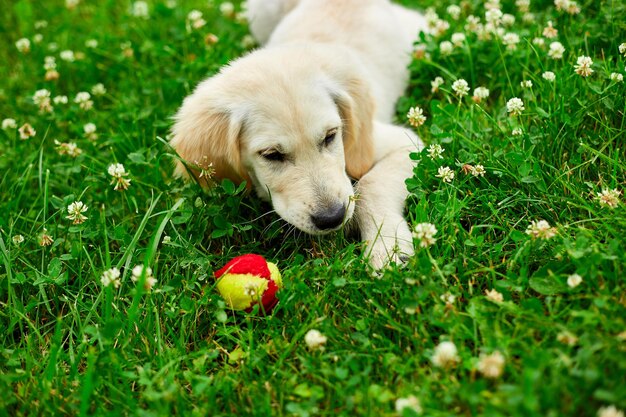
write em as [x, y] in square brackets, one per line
[300, 117]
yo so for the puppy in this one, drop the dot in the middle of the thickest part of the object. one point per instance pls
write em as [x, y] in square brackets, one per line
[310, 113]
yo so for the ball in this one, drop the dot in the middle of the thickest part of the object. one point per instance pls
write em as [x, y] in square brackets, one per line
[248, 280]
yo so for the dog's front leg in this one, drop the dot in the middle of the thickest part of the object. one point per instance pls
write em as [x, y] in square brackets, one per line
[381, 195]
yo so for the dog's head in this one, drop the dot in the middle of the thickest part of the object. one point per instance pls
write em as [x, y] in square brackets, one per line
[295, 127]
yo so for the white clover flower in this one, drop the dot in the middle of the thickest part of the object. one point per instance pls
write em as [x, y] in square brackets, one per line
[610, 411]
[111, 277]
[194, 15]
[540, 229]
[441, 26]
[42, 99]
[526, 84]
[248, 42]
[523, 5]
[493, 16]
[508, 19]
[448, 298]
[609, 198]
[478, 170]
[511, 40]
[556, 50]
[460, 87]
[37, 38]
[472, 24]
[435, 151]
[515, 106]
[53, 46]
[574, 280]
[567, 338]
[49, 63]
[119, 174]
[549, 76]
[494, 295]
[561, 5]
[540, 42]
[91, 43]
[70, 149]
[9, 124]
[23, 45]
[583, 66]
[493, 4]
[315, 340]
[90, 131]
[425, 234]
[480, 93]
[529, 18]
[419, 51]
[75, 212]
[45, 239]
[127, 49]
[492, 365]
[445, 355]
[98, 90]
[70, 4]
[26, 131]
[83, 99]
[446, 174]
[458, 39]
[138, 271]
[197, 24]
[411, 402]
[41, 24]
[616, 77]
[60, 100]
[140, 9]
[517, 131]
[416, 116]
[550, 31]
[622, 48]
[431, 17]
[89, 128]
[227, 9]
[454, 11]
[446, 48]
[17, 239]
[573, 8]
[67, 55]
[435, 84]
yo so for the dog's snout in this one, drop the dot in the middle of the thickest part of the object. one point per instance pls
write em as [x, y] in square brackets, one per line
[329, 218]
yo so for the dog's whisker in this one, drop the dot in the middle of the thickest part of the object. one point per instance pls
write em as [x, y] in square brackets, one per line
[267, 213]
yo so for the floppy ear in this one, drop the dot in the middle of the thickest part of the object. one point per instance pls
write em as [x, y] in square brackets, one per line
[206, 137]
[356, 107]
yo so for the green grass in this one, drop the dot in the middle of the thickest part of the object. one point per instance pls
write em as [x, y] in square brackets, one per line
[70, 346]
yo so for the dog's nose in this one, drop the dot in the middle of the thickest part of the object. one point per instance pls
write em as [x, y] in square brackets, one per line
[330, 218]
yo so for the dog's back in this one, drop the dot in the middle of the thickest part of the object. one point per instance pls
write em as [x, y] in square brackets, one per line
[377, 33]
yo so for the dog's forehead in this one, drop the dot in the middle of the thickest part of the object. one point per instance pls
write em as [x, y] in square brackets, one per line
[287, 119]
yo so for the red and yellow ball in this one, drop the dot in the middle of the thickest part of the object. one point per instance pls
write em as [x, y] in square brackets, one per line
[248, 280]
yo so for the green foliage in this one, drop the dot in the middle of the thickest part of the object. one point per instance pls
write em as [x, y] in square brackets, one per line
[71, 346]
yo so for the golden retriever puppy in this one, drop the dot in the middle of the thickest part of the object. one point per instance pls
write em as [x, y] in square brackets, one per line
[309, 113]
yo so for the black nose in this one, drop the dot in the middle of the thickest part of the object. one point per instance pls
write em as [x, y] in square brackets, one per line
[330, 218]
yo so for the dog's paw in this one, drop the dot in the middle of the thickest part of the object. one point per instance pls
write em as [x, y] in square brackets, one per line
[385, 251]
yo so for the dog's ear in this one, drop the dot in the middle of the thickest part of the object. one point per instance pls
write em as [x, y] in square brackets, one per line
[356, 107]
[206, 136]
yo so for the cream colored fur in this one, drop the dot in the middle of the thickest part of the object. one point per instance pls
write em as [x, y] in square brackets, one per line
[327, 66]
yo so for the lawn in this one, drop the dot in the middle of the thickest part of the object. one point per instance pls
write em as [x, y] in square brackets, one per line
[516, 306]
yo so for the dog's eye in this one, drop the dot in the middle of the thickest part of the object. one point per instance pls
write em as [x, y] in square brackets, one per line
[330, 137]
[274, 156]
